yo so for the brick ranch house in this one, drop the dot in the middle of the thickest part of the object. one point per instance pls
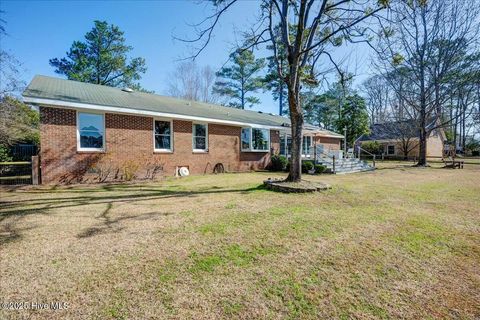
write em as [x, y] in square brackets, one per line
[93, 133]
[400, 137]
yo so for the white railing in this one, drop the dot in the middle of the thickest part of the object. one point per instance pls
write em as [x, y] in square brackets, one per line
[360, 149]
[327, 156]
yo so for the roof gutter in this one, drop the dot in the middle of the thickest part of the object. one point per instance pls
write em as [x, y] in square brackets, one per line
[86, 106]
[310, 132]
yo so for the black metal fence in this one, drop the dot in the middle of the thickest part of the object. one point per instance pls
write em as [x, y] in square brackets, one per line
[16, 172]
[23, 151]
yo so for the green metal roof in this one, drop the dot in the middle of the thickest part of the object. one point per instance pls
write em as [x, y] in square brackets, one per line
[43, 87]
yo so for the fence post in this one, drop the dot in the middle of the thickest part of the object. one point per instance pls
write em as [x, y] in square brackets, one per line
[333, 163]
[35, 170]
[374, 156]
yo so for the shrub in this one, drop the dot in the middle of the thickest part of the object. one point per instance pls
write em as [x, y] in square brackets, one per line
[278, 163]
[129, 170]
[103, 169]
[373, 147]
[320, 168]
[307, 166]
[5, 154]
[152, 169]
[473, 146]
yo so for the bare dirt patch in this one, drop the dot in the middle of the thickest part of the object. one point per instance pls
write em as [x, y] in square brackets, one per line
[303, 186]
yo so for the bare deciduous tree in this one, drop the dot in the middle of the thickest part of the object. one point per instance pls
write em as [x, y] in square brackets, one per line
[10, 68]
[192, 82]
[424, 44]
[378, 97]
[308, 30]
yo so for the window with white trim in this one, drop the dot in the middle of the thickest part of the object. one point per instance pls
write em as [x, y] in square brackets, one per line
[286, 144]
[200, 137]
[260, 139]
[91, 131]
[255, 139]
[283, 145]
[163, 135]
[306, 145]
[245, 137]
[289, 144]
[391, 149]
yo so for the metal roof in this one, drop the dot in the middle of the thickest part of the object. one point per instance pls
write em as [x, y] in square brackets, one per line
[43, 89]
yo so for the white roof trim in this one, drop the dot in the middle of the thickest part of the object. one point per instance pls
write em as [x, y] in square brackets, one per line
[312, 133]
[86, 106]
[330, 136]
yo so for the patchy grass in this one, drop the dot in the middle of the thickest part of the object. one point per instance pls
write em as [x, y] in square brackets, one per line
[400, 242]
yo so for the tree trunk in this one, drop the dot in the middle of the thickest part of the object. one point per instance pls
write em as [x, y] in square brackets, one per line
[422, 154]
[405, 146]
[242, 96]
[455, 130]
[296, 119]
[280, 99]
[464, 133]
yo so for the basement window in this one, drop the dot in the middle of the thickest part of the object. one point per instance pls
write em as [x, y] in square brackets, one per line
[255, 139]
[90, 131]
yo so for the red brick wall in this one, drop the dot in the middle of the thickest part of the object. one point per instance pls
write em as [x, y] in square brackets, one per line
[329, 143]
[129, 142]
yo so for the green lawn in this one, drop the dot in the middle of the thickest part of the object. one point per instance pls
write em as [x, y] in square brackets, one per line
[399, 242]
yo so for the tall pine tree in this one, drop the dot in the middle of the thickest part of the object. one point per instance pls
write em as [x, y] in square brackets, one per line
[101, 59]
[240, 78]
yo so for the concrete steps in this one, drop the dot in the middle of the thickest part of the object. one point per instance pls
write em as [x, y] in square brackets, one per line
[343, 166]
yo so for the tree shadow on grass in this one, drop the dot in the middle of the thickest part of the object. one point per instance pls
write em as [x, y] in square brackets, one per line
[12, 212]
[108, 224]
[138, 195]
[10, 232]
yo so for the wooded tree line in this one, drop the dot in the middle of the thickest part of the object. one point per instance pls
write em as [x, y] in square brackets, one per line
[427, 60]
[18, 122]
[425, 55]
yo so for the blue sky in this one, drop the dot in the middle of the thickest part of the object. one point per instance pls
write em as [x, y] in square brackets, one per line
[41, 30]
